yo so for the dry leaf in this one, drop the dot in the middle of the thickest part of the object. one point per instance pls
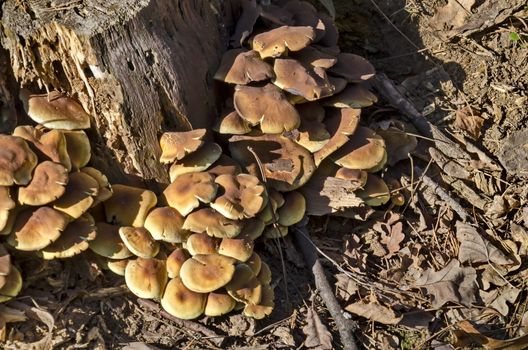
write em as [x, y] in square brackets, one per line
[520, 236]
[393, 239]
[452, 15]
[498, 298]
[317, 335]
[374, 312]
[476, 249]
[345, 287]
[356, 257]
[452, 283]
[467, 334]
[501, 206]
[467, 119]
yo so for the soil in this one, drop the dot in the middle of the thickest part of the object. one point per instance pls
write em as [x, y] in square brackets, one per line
[486, 71]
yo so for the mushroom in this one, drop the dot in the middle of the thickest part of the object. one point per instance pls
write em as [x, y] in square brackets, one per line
[266, 106]
[293, 209]
[108, 243]
[175, 261]
[354, 95]
[219, 304]
[243, 196]
[5, 265]
[312, 135]
[176, 145]
[74, 240]
[264, 275]
[230, 123]
[364, 150]
[12, 285]
[36, 228]
[265, 305]
[353, 68]
[48, 183]
[165, 224]
[181, 302]
[244, 286]
[275, 231]
[197, 161]
[278, 41]
[55, 111]
[187, 191]
[287, 165]
[17, 161]
[129, 205]
[206, 273]
[355, 176]
[51, 144]
[78, 147]
[146, 278]
[253, 229]
[305, 14]
[117, 266]
[6, 205]
[104, 192]
[255, 263]
[375, 192]
[297, 79]
[237, 248]
[213, 223]
[79, 195]
[239, 66]
[201, 243]
[139, 241]
[225, 165]
[315, 58]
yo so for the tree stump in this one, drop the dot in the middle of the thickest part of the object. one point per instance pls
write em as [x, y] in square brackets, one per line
[138, 67]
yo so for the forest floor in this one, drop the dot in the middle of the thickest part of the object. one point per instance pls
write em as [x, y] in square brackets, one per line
[410, 277]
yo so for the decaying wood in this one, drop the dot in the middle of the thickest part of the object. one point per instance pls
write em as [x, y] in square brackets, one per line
[344, 326]
[139, 67]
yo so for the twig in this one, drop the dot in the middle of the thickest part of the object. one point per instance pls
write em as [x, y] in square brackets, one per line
[325, 290]
[189, 325]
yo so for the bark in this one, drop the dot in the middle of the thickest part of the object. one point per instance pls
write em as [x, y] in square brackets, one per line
[139, 67]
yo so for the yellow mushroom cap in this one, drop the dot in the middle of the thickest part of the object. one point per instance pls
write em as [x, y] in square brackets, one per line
[176, 145]
[273, 231]
[5, 261]
[243, 196]
[6, 204]
[375, 192]
[55, 111]
[78, 147]
[255, 263]
[293, 209]
[359, 177]
[187, 191]
[244, 286]
[12, 285]
[175, 261]
[48, 183]
[146, 278]
[231, 123]
[206, 273]
[17, 161]
[117, 266]
[79, 195]
[129, 205]
[199, 160]
[253, 229]
[74, 240]
[104, 192]
[354, 95]
[213, 223]
[139, 241]
[239, 66]
[201, 243]
[264, 275]
[364, 150]
[277, 41]
[34, 229]
[240, 249]
[264, 307]
[219, 304]
[108, 243]
[225, 165]
[165, 224]
[181, 302]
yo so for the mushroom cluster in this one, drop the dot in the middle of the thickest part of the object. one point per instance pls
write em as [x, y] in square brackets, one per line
[10, 277]
[296, 102]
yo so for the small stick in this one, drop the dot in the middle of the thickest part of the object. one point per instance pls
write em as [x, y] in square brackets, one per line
[344, 326]
[210, 335]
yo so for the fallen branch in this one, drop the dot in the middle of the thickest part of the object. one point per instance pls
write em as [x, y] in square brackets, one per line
[303, 241]
[210, 335]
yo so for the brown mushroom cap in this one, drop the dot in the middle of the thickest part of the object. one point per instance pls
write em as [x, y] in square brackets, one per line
[175, 261]
[146, 278]
[353, 68]
[34, 229]
[264, 275]
[139, 241]
[266, 106]
[358, 177]
[237, 248]
[312, 135]
[165, 224]
[354, 96]
[12, 285]
[375, 192]
[206, 273]
[79, 195]
[74, 240]
[56, 111]
[181, 302]
[293, 209]
[5, 263]
[7, 220]
[364, 150]
[197, 161]
[305, 14]
[16, 161]
[280, 40]
[230, 123]
[244, 286]
[398, 141]
[129, 205]
[273, 231]
[243, 196]
[104, 192]
[255, 263]
[201, 243]
[219, 304]
[287, 165]
[253, 229]
[176, 145]
[48, 183]
[239, 66]
[311, 112]
[213, 223]
[331, 34]
[52, 144]
[117, 266]
[108, 243]
[187, 191]
[6, 204]
[297, 79]
[78, 147]
[225, 165]
[264, 307]
[315, 58]
[341, 123]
